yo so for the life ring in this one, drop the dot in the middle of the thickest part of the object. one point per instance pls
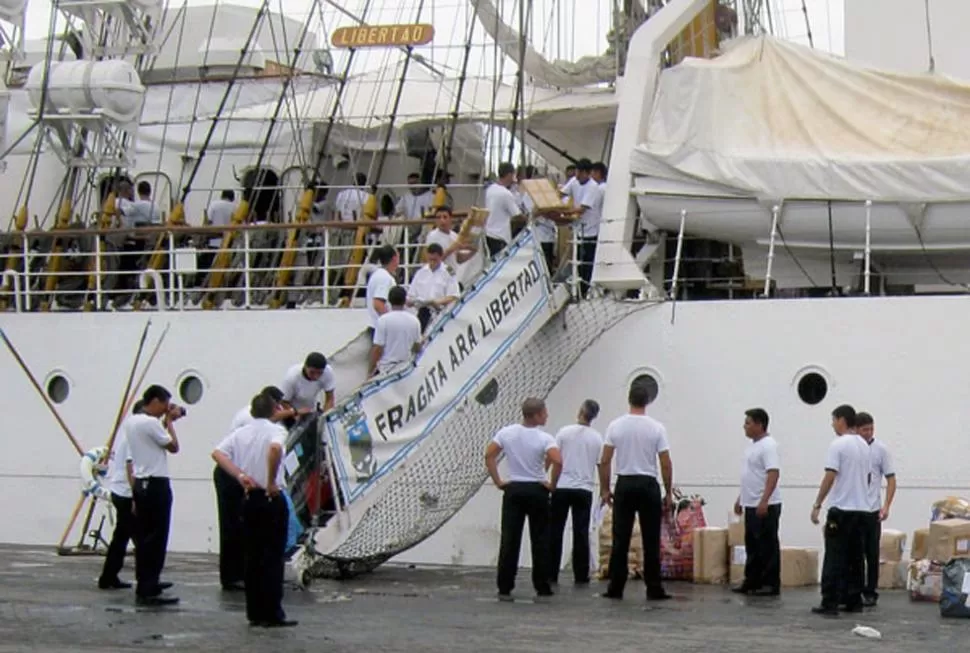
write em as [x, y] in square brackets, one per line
[92, 471]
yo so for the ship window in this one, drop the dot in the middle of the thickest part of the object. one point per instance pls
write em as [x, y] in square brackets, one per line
[190, 389]
[648, 381]
[812, 388]
[58, 388]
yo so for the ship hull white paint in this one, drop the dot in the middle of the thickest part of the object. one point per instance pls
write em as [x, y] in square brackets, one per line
[899, 358]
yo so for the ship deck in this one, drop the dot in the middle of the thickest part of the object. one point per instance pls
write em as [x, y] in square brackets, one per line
[50, 603]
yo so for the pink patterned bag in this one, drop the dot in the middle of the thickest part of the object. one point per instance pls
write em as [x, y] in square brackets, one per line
[677, 537]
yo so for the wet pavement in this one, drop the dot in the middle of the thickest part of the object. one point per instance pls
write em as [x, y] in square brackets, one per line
[50, 603]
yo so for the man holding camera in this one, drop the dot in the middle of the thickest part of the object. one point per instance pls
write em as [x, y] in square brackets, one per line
[151, 437]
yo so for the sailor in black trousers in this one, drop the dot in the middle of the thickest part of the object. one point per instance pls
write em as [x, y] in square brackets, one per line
[119, 484]
[638, 442]
[529, 451]
[257, 449]
[760, 503]
[882, 467]
[150, 440]
[229, 500]
[580, 446]
[846, 484]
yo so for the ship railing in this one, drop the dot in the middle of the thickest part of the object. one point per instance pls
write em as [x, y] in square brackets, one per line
[322, 265]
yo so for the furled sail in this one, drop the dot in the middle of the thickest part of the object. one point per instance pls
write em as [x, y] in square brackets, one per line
[560, 73]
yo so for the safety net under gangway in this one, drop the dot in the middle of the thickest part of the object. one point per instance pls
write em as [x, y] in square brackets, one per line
[403, 453]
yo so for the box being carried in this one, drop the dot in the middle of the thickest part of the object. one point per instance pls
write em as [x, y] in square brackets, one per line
[948, 539]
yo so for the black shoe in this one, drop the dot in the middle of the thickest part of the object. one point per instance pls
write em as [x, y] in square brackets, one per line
[869, 601]
[164, 585]
[659, 595]
[855, 607]
[766, 591]
[742, 589]
[237, 586]
[826, 610]
[612, 595]
[282, 623]
[505, 597]
[156, 600]
[115, 584]
[583, 581]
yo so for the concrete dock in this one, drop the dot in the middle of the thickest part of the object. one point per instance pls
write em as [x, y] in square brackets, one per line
[51, 603]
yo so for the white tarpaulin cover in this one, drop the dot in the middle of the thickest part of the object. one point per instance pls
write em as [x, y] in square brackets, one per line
[780, 121]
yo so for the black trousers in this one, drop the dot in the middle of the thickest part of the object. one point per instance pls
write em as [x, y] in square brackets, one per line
[494, 245]
[264, 528]
[521, 501]
[229, 501]
[580, 502]
[871, 534]
[762, 567]
[842, 565]
[549, 252]
[587, 257]
[124, 522]
[424, 317]
[636, 496]
[153, 515]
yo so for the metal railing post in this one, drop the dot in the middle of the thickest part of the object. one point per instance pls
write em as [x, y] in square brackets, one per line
[247, 281]
[98, 299]
[868, 250]
[171, 269]
[325, 286]
[13, 278]
[156, 279]
[675, 282]
[775, 212]
[26, 252]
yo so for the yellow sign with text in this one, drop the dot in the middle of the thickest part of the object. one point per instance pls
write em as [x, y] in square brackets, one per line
[382, 36]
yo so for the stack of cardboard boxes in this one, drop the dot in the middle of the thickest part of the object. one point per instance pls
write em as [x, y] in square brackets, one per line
[635, 558]
[933, 547]
[719, 557]
[892, 569]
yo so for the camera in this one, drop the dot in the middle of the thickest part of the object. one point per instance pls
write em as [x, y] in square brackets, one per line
[179, 410]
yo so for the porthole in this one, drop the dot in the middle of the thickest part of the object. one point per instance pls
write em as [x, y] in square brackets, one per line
[191, 389]
[58, 388]
[649, 382]
[812, 388]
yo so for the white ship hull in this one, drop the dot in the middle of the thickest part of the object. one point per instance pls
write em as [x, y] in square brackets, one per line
[897, 358]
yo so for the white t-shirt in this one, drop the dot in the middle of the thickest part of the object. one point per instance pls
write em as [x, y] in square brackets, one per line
[350, 203]
[139, 212]
[882, 467]
[117, 477]
[848, 457]
[147, 439]
[300, 391]
[248, 449]
[378, 285]
[638, 439]
[588, 226]
[220, 212]
[502, 207]
[759, 458]
[414, 207]
[580, 447]
[396, 332]
[241, 419]
[576, 191]
[429, 284]
[567, 189]
[445, 240]
[525, 450]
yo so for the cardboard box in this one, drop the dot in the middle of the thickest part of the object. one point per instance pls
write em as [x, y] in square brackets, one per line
[925, 580]
[921, 537]
[891, 545]
[949, 538]
[737, 574]
[799, 567]
[892, 575]
[736, 534]
[635, 556]
[710, 556]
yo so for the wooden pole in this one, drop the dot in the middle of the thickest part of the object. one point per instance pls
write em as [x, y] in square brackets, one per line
[70, 525]
[131, 378]
[41, 392]
[141, 379]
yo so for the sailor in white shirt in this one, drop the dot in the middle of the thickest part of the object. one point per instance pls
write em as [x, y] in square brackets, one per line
[529, 451]
[397, 337]
[580, 446]
[502, 210]
[587, 228]
[760, 504]
[150, 441]
[566, 187]
[433, 287]
[253, 455]
[414, 205]
[348, 207]
[219, 214]
[638, 442]
[846, 484]
[454, 252]
[882, 467]
[379, 283]
[119, 483]
[303, 383]
[141, 212]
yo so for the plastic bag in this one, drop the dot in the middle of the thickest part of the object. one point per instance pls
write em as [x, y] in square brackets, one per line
[955, 596]
[677, 537]
[950, 508]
